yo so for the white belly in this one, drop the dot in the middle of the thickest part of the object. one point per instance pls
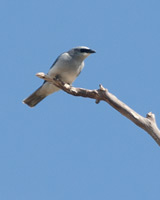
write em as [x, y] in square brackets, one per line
[67, 74]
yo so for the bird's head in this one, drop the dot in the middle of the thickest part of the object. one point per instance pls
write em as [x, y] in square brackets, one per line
[81, 52]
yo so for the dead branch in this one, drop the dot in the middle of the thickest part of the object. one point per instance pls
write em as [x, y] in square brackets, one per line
[147, 123]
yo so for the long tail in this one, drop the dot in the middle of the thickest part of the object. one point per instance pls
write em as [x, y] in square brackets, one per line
[34, 98]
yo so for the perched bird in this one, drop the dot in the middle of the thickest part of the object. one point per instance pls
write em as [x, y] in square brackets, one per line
[66, 67]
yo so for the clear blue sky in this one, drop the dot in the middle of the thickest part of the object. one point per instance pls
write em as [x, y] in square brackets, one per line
[69, 148]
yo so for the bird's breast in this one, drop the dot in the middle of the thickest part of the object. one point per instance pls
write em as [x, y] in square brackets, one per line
[67, 70]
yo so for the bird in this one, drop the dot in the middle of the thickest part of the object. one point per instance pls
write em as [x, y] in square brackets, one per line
[66, 67]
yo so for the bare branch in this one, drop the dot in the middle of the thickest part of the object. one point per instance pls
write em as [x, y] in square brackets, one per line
[147, 123]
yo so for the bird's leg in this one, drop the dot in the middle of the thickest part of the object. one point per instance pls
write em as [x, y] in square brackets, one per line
[57, 77]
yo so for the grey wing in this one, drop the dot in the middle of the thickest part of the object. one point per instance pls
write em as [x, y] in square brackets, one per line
[53, 65]
[55, 62]
[80, 69]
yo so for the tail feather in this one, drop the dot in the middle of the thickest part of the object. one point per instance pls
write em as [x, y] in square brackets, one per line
[34, 98]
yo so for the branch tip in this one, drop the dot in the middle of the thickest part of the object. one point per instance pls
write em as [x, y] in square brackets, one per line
[40, 74]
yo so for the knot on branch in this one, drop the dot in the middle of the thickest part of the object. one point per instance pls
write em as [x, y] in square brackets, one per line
[97, 101]
[151, 117]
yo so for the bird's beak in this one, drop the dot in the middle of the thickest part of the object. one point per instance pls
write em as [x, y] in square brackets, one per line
[91, 51]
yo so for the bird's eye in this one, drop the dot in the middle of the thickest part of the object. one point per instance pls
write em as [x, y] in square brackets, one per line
[84, 50]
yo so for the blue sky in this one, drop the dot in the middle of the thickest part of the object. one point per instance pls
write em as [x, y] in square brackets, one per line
[69, 147]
